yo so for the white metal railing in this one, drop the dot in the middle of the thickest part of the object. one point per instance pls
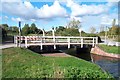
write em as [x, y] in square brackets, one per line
[54, 40]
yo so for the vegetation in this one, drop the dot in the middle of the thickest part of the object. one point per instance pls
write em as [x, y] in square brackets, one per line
[110, 49]
[111, 32]
[92, 29]
[74, 24]
[23, 63]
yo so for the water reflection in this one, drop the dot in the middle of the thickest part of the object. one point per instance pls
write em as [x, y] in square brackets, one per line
[111, 65]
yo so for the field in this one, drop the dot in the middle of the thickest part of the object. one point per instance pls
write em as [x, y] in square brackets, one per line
[23, 63]
[110, 49]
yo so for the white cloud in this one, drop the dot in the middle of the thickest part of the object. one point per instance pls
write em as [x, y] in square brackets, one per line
[5, 17]
[83, 9]
[11, 0]
[76, 18]
[56, 10]
[107, 19]
[17, 19]
[28, 11]
[113, 0]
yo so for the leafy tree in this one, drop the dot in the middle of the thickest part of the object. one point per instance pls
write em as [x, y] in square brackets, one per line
[3, 32]
[6, 27]
[15, 29]
[59, 30]
[71, 32]
[39, 31]
[114, 30]
[33, 28]
[26, 29]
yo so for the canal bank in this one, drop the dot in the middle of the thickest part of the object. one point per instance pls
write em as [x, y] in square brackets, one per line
[107, 64]
[96, 50]
[110, 62]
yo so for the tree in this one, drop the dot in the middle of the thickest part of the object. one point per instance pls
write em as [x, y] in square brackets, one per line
[26, 29]
[5, 27]
[15, 29]
[3, 31]
[60, 28]
[74, 23]
[92, 29]
[33, 28]
[114, 30]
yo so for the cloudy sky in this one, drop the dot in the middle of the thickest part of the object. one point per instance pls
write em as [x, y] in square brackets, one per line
[58, 13]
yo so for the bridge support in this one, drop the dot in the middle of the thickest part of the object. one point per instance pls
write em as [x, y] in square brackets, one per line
[68, 42]
[41, 45]
[81, 42]
[93, 42]
[25, 42]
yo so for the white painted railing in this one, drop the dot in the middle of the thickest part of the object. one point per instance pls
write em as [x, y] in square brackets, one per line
[56, 40]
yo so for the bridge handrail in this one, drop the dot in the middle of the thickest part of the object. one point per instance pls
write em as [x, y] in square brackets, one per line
[55, 40]
[56, 36]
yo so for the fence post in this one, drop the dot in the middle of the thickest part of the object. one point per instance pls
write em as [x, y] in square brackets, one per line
[93, 42]
[68, 42]
[25, 41]
[16, 41]
[54, 42]
[41, 46]
[81, 42]
[96, 40]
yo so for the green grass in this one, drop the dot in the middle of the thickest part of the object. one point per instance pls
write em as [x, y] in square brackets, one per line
[110, 49]
[23, 63]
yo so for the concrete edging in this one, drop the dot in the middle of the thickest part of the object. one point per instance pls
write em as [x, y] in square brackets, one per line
[98, 51]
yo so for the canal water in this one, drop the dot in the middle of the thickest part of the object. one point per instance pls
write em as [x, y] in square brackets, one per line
[110, 65]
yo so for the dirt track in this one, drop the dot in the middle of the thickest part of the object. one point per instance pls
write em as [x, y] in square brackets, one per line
[56, 54]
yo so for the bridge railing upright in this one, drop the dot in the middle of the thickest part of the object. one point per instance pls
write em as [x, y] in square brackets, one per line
[57, 40]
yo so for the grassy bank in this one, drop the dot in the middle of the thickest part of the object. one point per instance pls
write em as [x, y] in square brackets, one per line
[23, 63]
[110, 49]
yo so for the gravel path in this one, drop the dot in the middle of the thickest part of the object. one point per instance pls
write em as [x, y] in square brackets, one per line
[56, 54]
[3, 46]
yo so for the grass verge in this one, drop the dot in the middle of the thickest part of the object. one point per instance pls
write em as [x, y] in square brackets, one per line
[23, 63]
[109, 49]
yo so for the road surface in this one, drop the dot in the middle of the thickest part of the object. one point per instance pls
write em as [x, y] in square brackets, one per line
[3, 46]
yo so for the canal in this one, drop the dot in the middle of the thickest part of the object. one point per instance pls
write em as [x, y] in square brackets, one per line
[108, 64]
[111, 65]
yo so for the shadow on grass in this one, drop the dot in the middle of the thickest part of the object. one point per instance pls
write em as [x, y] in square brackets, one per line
[75, 50]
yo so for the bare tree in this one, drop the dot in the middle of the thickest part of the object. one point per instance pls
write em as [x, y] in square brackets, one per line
[74, 23]
[92, 29]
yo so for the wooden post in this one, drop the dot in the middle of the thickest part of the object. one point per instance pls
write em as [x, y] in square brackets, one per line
[43, 35]
[25, 41]
[68, 42]
[81, 42]
[96, 40]
[54, 42]
[53, 31]
[16, 41]
[41, 46]
[93, 42]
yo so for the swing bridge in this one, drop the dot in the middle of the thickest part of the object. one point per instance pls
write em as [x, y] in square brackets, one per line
[26, 41]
